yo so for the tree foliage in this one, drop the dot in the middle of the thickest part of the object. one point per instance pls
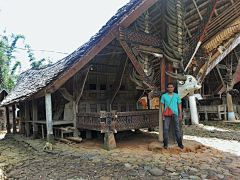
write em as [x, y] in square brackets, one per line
[8, 63]
[9, 66]
[42, 63]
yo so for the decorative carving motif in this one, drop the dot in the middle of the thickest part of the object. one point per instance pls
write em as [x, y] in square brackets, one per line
[142, 75]
[176, 46]
[139, 37]
[124, 120]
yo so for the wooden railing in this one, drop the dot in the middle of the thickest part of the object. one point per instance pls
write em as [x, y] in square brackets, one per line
[122, 121]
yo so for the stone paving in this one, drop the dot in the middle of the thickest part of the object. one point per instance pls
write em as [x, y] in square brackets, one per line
[24, 158]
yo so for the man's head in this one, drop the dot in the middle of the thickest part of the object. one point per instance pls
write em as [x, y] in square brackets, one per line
[170, 87]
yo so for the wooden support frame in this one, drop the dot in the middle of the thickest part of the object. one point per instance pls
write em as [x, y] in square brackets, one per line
[66, 94]
[118, 81]
[219, 73]
[35, 118]
[195, 4]
[27, 119]
[236, 75]
[21, 128]
[137, 65]
[218, 57]
[77, 94]
[80, 91]
[8, 120]
[14, 119]
[49, 123]
[189, 33]
[237, 68]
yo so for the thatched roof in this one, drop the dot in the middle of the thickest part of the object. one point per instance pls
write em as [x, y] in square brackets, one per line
[34, 80]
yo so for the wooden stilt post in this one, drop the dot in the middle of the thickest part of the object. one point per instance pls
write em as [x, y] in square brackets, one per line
[27, 119]
[4, 125]
[21, 128]
[48, 106]
[14, 119]
[231, 114]
[205, 113]
[35, 116]
[88, 134]
[160, 127]
[76, 132]
[8, 120]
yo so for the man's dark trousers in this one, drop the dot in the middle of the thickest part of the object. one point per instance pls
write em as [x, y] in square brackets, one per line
[174, 118]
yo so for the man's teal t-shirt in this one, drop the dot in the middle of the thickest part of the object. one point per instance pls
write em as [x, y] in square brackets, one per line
[174, 104]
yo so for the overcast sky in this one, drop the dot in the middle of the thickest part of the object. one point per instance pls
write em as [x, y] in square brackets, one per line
[55, 25]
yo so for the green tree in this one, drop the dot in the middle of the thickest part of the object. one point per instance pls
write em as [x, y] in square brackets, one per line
[9, 66]
[44, 62]
[36, 64]
[8, 63]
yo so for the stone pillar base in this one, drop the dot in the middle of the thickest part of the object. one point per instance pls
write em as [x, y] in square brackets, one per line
[109, 141]
[231, 116]
[50, 138]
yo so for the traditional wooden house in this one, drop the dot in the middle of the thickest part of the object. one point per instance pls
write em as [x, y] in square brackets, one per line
[144, 46]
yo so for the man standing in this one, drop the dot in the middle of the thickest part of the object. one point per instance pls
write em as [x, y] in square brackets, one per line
[173, 101]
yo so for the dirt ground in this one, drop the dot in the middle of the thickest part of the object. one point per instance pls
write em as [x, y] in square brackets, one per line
[24, 158]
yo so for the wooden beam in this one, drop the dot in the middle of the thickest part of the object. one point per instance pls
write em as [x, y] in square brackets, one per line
[35, 118]
[137, 65]
[217, 57]
[8, 120]
[150, 49]
[237, 68]
[236, 75]
[195, 4]
[21, 129]
[49, 122]
[118, 81]
[14, 119]
[80, 91]
[219, 73]
[27, 119]
[223, 66]
[66, 94]
[189, 33]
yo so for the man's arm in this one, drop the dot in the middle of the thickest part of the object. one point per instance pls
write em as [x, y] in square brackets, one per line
[180, 110]
[163, 117]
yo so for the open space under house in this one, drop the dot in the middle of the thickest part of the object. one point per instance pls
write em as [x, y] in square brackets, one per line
[102, 86]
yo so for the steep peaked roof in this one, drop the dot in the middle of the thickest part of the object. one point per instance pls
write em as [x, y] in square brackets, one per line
[34, 80]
